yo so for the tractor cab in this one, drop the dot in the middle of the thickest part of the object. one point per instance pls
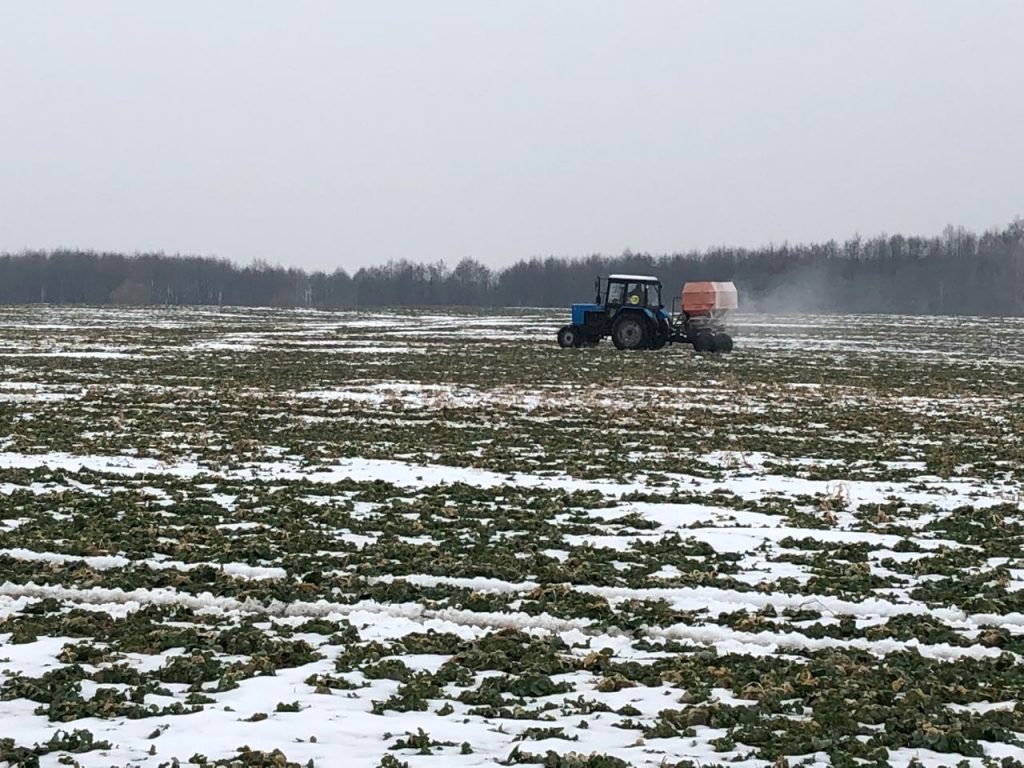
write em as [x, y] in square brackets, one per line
[632, 291]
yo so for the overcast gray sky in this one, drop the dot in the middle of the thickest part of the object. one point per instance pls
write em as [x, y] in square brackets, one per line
[325, 134]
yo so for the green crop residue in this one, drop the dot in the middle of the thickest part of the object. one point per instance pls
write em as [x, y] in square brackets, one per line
[436, 537]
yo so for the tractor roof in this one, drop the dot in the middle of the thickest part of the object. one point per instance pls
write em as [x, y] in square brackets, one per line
[635, 278]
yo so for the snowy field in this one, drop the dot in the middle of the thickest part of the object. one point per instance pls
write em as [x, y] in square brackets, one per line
[271, 538]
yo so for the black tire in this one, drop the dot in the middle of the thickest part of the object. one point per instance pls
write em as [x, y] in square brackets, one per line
[631, 331]
[703, 342]
[723, 342]
[661, 334]
[568, 336]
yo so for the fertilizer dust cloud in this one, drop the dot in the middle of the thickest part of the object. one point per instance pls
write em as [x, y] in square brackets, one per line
[806, 292]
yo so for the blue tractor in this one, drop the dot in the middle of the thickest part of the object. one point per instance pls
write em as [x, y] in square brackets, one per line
[630, 310]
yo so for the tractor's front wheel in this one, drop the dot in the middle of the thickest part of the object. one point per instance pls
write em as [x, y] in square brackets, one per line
[568, 336]
[631, 332]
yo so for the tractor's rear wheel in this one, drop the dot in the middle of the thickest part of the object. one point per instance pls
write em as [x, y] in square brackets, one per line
[568, 336]
[661, 334]
[723, 342]
[703, 342]
[631, 332]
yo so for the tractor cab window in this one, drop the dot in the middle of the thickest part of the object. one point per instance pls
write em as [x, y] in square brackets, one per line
[654, 296]
[616, 293]
[636, 294]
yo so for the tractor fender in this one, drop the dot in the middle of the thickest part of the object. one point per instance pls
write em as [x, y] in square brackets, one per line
[649, 316]
[626, 309]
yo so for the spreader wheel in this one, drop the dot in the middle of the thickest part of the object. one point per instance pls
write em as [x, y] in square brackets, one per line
[704, 341]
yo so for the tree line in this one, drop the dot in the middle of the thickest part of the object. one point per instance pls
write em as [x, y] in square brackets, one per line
[957, 272]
